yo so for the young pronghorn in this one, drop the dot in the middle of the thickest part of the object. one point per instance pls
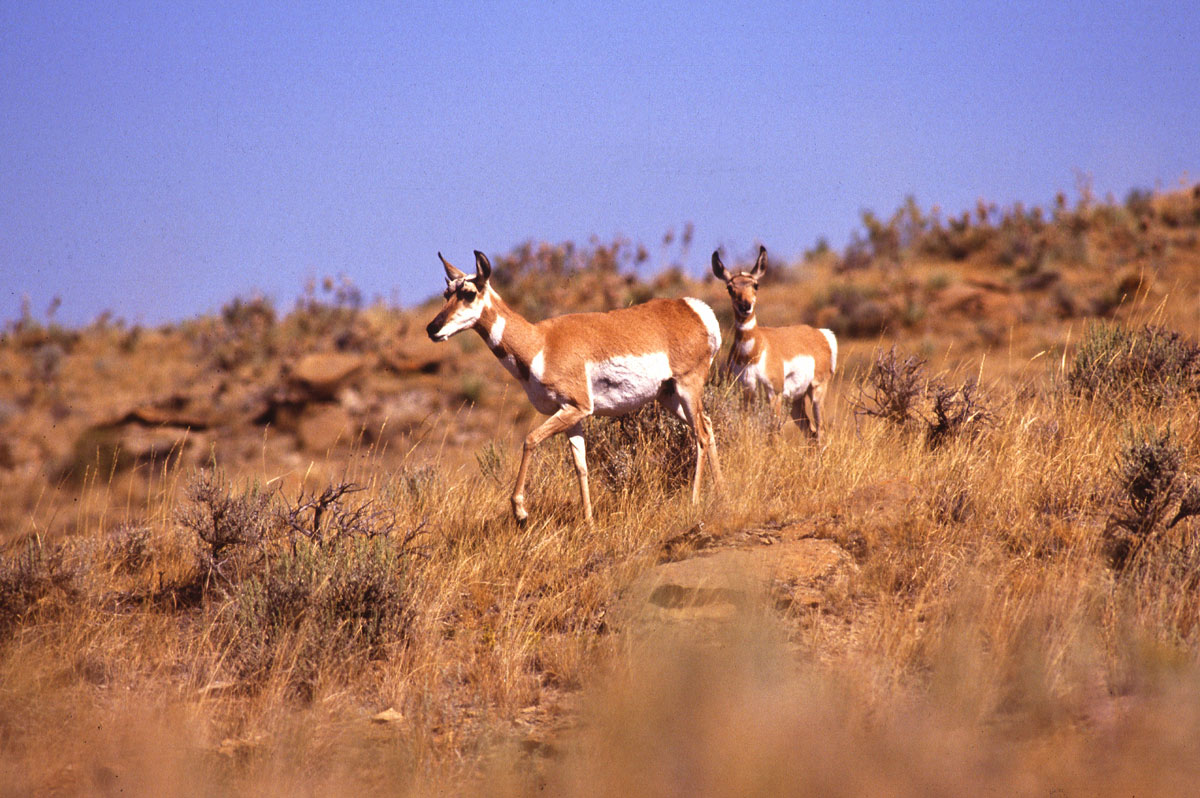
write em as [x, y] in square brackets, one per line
[609, 364]
[788, 362]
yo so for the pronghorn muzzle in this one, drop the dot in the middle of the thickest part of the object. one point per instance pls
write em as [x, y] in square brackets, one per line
[434, 328]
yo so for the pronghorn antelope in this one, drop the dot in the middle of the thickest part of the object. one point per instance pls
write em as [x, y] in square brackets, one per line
[788, 362]
[575, 365]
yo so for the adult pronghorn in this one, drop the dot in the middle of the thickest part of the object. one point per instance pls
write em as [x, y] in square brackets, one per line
[788, 362]
[575, 365]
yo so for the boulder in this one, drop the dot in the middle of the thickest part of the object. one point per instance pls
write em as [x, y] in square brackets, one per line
[719, 585]
[323, 373]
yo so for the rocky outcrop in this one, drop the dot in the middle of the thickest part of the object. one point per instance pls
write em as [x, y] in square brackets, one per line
[718, 585]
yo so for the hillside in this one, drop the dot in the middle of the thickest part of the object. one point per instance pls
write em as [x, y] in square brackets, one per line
[231, 543]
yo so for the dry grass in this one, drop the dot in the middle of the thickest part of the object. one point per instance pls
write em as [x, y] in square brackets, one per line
[982, 642]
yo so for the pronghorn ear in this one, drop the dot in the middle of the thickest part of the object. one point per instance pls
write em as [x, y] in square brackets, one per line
[760, 265]
[719, 268]
[451, 272]
[483, 269]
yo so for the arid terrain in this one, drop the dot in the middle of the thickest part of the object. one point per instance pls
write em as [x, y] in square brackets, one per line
[269, 551]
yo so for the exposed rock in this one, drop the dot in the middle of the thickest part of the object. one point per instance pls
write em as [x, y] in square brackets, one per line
[323, 373]
[973, 301]
[241, 748]
[719, 585]
[352, 400]
[124, 446]
[176, 410]
[153, 443]
[154, 415]
[405, 411]
[389, 716]
[324, 425]
[8, 410]
[429, 363]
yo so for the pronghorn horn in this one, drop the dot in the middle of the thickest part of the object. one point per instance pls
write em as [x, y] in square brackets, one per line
[483, 267]
[760, 265]
[719, 268]
[451, 272]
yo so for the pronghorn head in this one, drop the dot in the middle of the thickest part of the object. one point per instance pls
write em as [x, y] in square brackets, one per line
[466, 298]
[743, 286]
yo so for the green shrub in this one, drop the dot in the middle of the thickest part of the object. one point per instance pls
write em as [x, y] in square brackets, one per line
[1153, 365]
[650, 447]
[313, 604]
[29, 578]
[314, 580]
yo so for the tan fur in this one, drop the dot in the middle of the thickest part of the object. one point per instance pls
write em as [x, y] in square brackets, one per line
[760, 356]
[781, 344]
[564, 346]
[656, 326]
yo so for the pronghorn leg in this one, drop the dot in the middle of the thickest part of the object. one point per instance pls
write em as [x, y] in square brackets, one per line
[778, 409]
[812, 428]
[579, 453]
[799, 416]
[710, 449]
[566, 418]
[687, 402]
[818, 398]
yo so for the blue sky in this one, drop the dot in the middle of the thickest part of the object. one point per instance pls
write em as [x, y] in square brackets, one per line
[158, 159]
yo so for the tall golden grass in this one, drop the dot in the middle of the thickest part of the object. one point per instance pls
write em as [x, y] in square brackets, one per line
[983, 644]
[984, 641]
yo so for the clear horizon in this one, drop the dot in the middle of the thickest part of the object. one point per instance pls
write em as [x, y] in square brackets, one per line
[158, 161]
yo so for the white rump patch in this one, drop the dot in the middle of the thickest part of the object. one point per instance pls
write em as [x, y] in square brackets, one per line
[623, 383]
[832, 339]
[710, 323]
[798, 375]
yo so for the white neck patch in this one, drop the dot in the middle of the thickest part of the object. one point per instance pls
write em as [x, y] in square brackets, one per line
[496, 334]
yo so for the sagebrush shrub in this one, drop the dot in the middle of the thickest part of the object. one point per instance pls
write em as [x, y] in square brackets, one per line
[1149, 480]
[1114, 364]
[897, 390]
[647, 448]
[331, 514]
[955, 411]
[311, 604]
[893, 389]
[654, 448]
[224, 522]
[29, 577]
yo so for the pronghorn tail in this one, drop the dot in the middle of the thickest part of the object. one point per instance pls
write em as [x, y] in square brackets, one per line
[710, 323]
[829, 336]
